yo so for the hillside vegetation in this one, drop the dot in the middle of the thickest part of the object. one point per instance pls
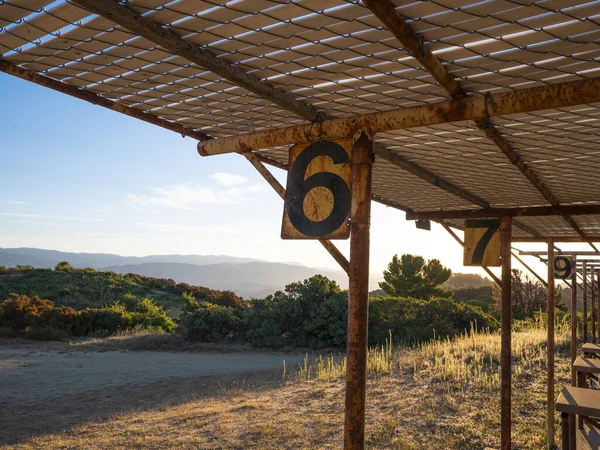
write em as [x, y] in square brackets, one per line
[88, 288]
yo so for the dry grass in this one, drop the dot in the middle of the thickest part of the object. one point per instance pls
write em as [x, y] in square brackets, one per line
[442, 395]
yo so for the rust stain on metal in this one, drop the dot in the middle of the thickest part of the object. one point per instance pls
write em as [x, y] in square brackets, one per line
[505, 338]
[358, 299]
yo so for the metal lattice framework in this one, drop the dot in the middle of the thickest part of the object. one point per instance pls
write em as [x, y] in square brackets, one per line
[217, 69]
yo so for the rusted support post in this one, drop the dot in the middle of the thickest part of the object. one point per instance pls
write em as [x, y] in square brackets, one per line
[276, 185]
[573, 320]
[573, 343]
[593, 308]
[597, 312]
[585, 304]
[506, 323]
[358, 299]
[550, 349]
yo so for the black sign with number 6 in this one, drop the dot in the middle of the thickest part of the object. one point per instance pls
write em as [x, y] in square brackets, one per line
[317, 198]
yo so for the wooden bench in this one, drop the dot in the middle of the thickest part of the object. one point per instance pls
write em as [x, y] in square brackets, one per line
[584, 403]
[586, 367]
[590, 350]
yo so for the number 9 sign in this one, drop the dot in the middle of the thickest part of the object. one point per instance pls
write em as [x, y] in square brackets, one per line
[562, 266]
[317, 196]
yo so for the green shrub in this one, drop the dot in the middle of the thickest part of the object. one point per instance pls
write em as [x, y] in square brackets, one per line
[93, 320]
[46, 334]
[211, 323]
[411, 321]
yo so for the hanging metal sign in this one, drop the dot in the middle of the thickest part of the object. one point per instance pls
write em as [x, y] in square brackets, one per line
[482, 242]
[317, 196]
[562, 266]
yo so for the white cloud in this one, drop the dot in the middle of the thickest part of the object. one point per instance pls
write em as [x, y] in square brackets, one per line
[189, 195]
[17, 202]
[40, 216]
[228, 179]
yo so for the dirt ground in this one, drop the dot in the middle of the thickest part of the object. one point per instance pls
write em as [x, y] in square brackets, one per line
[47, 388]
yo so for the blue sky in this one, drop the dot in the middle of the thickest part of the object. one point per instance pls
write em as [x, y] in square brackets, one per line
[78, 177]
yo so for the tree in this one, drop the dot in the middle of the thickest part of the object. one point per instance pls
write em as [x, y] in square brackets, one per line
[528, 296]
[411, 276]
[64, 266]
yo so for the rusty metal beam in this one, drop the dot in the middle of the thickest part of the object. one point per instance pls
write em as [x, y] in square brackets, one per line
[544, 282]
[585, 301]
[170, 40]
[415, 45]
[95, 99]
[550, 350]
[472, 107]
[559, 210]
[358, 293]
[573, 349]
[556, 239]
[329, 246]
[505, 337]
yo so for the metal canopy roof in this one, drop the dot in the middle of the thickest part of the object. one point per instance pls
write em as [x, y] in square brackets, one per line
[336, 57]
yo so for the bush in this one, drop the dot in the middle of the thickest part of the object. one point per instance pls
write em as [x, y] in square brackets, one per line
[46, 334]
[21, 312]
[60, 318]
[312, 313]
[411, 321]
[89, 321]
[211, 323]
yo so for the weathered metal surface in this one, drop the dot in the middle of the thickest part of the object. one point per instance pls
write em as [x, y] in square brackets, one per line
[459, 240]
[585, 302]
[332, 249]
[573, 321]
[482, 243]
[170, 40]
[505, 338]
[318, 192]
[597, 312]
[593, 299]
[358, 300]
[562, 266]
[550, 350]
[95, 99]
[468, 108]
[502, 212]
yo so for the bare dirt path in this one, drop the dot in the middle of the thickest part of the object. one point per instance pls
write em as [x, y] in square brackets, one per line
[45, 389]
[30, 374]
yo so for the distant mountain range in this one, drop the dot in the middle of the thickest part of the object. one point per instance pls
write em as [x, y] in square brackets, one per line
[247, 277]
